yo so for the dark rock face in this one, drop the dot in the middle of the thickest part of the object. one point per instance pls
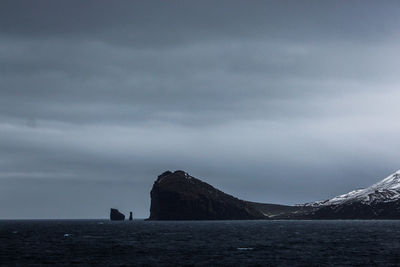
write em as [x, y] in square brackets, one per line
[115, 215]
[130, 216]
[179, 196]
[358, 210]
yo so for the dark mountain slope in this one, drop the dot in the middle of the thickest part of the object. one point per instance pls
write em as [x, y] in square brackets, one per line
[179, 196]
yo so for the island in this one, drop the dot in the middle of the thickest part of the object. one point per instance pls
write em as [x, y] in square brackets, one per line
[115, 215]
[180, 196]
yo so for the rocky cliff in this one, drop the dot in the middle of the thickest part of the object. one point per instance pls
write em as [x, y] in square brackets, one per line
[115, 215]
[179, 196]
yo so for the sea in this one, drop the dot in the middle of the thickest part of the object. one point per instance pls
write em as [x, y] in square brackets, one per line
[199, 243]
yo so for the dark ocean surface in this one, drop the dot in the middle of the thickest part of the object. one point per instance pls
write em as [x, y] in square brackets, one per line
[243, 243]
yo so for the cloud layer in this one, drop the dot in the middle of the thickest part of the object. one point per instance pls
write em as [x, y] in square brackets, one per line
[270, 101]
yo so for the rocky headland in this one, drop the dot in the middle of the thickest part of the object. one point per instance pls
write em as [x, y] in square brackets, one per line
[180, 196]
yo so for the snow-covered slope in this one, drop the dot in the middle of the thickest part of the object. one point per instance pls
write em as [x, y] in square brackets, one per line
[387, 190]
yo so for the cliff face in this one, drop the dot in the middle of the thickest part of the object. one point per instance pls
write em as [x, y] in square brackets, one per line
[179, 196]
[115, 215]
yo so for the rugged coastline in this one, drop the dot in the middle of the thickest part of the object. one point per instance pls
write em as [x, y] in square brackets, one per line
[180, 196]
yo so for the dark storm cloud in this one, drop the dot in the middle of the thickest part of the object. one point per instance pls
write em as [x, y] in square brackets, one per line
[266, 100]
[157, 22]
[102, 82]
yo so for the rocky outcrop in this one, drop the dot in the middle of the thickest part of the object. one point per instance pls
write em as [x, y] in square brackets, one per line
[179, 196]
[130, 216]
[115, 215]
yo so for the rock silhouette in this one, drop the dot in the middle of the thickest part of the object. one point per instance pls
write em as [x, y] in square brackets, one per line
[115, 215]
[130, 216]
[179, 196]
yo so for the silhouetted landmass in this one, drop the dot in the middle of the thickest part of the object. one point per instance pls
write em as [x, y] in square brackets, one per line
[378, 201]
[277, 211]
[358, 210]
[115, 215]
[179, 196]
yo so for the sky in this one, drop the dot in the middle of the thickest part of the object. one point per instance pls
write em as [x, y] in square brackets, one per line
[270, 101]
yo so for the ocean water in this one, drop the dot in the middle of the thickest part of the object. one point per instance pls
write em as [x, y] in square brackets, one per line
[233, 243]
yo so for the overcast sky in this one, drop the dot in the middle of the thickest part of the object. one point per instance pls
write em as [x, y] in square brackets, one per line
[271, 101]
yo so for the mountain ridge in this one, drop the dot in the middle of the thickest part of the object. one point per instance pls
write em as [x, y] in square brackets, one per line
[387, 190]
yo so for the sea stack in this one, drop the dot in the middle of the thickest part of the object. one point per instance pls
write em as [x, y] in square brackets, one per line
[115, 215]
[179, 196]
[130, 216]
